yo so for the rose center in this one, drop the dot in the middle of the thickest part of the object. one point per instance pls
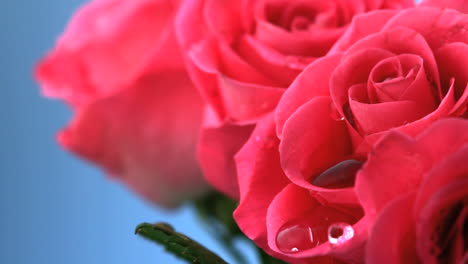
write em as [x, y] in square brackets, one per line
[300, 16]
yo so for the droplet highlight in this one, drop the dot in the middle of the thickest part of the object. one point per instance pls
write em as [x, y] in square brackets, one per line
[340, 233]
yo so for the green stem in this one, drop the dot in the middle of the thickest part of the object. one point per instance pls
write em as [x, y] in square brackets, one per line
[178, 244]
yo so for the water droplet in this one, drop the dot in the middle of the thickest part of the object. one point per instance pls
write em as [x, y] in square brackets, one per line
[339, 233]
[294, 238]
[341, 175]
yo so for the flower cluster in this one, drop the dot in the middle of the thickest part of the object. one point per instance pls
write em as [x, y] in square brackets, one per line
[339, 126]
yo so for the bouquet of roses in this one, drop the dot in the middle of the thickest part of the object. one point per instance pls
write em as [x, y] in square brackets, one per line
[333, 131]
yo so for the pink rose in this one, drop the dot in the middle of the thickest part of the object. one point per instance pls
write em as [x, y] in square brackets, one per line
[289, 216]
[415, 196]
[243, 54]
[405, 71]
[137, 114]
[399, 70]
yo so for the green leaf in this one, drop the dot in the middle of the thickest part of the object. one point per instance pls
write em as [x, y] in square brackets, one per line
[215, 210]
[178, 244]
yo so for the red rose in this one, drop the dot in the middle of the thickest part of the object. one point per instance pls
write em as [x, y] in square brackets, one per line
[415, 195]
[243, 54]
[390, 70]
[138, 115]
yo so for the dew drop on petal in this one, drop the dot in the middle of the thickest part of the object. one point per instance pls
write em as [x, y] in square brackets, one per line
[341, 175]
[340, 233]
[295, 238]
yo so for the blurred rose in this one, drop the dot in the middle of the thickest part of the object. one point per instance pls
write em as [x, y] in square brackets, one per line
[415, 196]
[137, 113]
[243, 54]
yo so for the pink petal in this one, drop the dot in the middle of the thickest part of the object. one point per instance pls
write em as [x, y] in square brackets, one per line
[401, 40]
[369, 116]
[411, 83]
[107, 45]
[257, 164]
[222, 18]
[450, 59]
[247, 102]
[447, 25]
[296, 207]
[312, 142]
[398, 4]
[216, 149]
[442, 220]
[362, 25]
[312, 82]
[392, 239]
[138, 137]
[460, 5]
[354, 70]
[313, 42]
[397, 165]
[269, 61]
[444, 137]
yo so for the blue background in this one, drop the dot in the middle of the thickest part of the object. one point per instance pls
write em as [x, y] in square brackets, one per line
[56, 209]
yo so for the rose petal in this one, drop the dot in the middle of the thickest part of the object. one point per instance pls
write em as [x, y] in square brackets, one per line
[216, 149]
[401, 40]
[123, 134]
[392, 238]
[450, 60]
[235, 67]
[447, 171]
[391, 4]
[296, 206]
[312, 142]
[444, 137]
[447, 25]
[222, 18]
[460, 5]
[369, 116]
[442, 111]
[201, 64]
[311, 83]
[258, 163]
[437, 227]
[362, 25]
[299, 43]
[412, 84]
[269, 61]
[396, 165]
[354, 69]
[247, 102]
[107, 45]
